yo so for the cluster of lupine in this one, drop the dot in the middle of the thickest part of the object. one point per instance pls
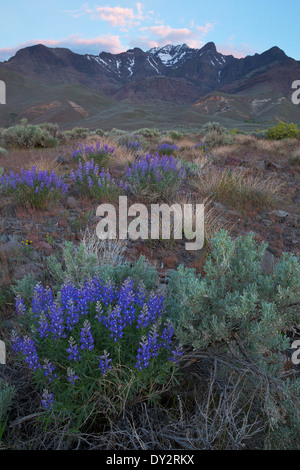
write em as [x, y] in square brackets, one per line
[133, 146]
[167, 149]
[155, 175]
[100, 153]
[203, 147]
[33, 186]
[97, 325]
[95, 182]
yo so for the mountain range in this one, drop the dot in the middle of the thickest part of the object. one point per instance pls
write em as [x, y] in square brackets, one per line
[170, 86]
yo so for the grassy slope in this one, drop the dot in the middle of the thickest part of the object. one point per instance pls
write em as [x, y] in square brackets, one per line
[41, 102]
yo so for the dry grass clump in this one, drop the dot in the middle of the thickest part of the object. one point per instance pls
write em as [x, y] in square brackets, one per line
[238, 189]
[295, 157]
[108, 252]
[43, 164]
[213, 222]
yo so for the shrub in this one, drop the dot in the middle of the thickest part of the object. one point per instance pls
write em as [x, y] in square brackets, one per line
[101, 154]
[283, 130]
[36, 188]
[95, 348]
[213, 127]
[100, 132]
[29, 136]
[50, 127]
[154, 176]
[235, 299]
[175, 135]
[78, 133]
[240, 315]
[147, 132]
[218, 139]
[95, 183]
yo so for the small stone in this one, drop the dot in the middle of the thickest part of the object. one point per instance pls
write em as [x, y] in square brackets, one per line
[71, 202]
[20, 271]
[60, 159]
[280, 214]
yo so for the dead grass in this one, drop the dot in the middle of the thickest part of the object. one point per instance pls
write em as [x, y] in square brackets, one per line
[44, 164]
[238, 189]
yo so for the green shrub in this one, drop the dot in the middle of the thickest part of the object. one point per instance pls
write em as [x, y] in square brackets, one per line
[147, 132]
[218, 139]
[175, 135]
[29, 136]
[283, 130]
[50, 127]
[79, 133]
[213, 127]
[235, 299]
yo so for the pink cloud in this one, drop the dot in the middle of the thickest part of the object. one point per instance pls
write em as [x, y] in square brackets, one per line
[166, 34]
[237, 51]
[108, 43]
[205, 29]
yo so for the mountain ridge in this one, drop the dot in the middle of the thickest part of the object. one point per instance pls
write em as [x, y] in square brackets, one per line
[175, 74]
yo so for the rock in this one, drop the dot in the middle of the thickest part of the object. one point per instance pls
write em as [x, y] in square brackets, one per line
[29, 268]
[46, 247]
[10, 247]
[280, 214]
[268, 263]
[60, 159]
[71, 202]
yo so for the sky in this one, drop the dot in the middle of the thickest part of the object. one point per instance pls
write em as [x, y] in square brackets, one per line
[236, 27]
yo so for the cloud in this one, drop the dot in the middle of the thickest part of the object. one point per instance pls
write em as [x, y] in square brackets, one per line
[237, 51]
[165, 34]
[117, 16]
[108, 43]
[205, 29]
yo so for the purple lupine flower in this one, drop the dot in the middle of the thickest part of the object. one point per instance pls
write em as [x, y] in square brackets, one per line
[71, 376]
[105, 363]
[176, 354]
[114, 321]
[42, 299]
[167, 149]
[126, 301]
[86, 339]
[47, 400]
[143, 354]
[20, 305]
[167, 335]
[56, 320]
[72, 316]
[43, 328]
[49, 368]
[73, 351]
[28, 349]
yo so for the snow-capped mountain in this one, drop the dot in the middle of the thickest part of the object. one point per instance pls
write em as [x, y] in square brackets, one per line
[173, 73]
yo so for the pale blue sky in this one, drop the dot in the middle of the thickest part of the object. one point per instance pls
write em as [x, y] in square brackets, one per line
[237, 27]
